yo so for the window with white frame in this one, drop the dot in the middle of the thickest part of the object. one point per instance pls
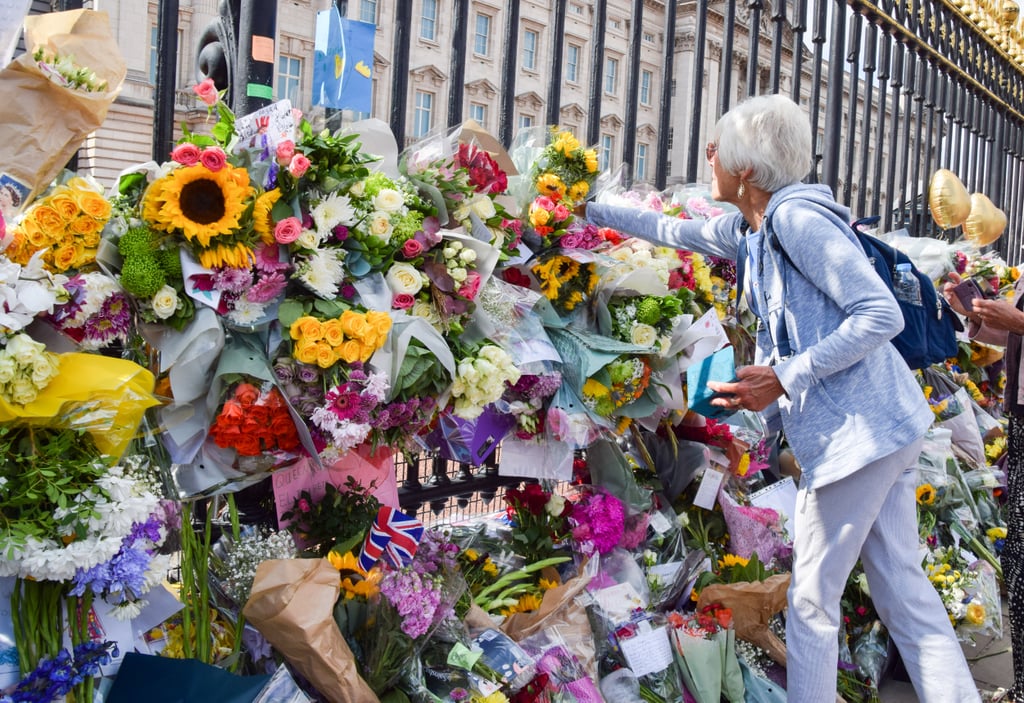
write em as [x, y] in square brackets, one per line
[525, 121]
[646, 79]
[154, 37]
[576, 9]
[289, 79]
[529, 49]
[482, 35]
[428, 20]
[478, 113]
[572, 63]
[605, 157]
[649, 37]
[368, 11]
[611, 75]
[640, 172]
[423, 115]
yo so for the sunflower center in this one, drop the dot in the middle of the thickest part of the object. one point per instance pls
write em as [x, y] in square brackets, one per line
[202, 201]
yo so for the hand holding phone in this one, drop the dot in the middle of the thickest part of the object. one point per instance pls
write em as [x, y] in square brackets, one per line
[969, 289]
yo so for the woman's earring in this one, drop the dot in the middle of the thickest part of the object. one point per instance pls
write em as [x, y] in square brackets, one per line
[742, 190]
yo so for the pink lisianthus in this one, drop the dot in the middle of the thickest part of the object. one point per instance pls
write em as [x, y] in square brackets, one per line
[186, 154]
[207, 92]
[287, 230]
[213, 158]
[299, 165]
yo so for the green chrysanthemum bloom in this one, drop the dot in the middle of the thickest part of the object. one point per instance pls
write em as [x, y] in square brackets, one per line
[648, 311]
[142, 276]
[138, 241]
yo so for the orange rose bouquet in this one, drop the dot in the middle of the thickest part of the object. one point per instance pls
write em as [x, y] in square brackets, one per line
[253, 420]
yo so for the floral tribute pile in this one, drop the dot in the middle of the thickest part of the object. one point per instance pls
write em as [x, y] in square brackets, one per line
[279, 311]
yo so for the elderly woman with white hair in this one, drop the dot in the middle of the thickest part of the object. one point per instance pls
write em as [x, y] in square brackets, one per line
[824, 370]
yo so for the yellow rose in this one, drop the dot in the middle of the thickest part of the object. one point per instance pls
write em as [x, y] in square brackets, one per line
[83, 224]
[90, 240]
[333, 333]
[325, 355]
[380, 321]
[33, 235]
[353, 323]
[49, 220]
[351, 351]
[65, 206]
[307, 329]
[539, 216]
[65, 257]
[93, 204]
[306, 352]
[366, 353]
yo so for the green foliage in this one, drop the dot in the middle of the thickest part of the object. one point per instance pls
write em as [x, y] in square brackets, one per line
[337, 521]
[336, 162]
[43, 471]
[421, 375]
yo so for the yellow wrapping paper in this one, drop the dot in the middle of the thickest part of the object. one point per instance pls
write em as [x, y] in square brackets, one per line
[45, 123]
[100, 394]
[292, 604]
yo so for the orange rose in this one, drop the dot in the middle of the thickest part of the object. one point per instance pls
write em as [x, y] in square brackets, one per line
[354, 324]
[49, 220]
[65, 206]
[325, 355]
[333, 333]
[34, 235]
[65, 257]
[248, 445]
[351, 351]
[307, 329]
[305, 351]
[247, 394]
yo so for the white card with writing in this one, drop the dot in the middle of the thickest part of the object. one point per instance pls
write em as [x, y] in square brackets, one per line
[619, 601]
[648, 651]
[707, 491]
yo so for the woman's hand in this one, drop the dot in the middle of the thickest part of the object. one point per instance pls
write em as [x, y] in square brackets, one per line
[950, 296]
[999, 314]
[757, 388]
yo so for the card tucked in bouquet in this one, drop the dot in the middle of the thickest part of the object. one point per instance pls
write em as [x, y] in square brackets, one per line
[720, 367]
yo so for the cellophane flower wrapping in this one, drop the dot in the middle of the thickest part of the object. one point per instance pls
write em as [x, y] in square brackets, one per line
[567, 679]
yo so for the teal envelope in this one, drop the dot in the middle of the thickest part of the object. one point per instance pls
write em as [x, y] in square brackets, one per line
[720, 367]
[144, 677]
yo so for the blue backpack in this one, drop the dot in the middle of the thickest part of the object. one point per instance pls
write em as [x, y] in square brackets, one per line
[929, 329]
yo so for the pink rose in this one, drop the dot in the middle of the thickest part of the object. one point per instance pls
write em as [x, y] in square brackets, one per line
[299, 165]
[545, 202]
[287, 230]
[561, 212]
[186, 154]
[403, 301]
[412, 248]
[213, 158]
[296, 115]
[285, 152]
[207, 92]
[471, 286]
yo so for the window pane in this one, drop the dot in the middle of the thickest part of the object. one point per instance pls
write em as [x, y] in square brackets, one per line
[611, 77]
[641, 162]
[289, 79]
[607, 144]
[153, 37]
[428, 23]
[645, 87]
[529, 49]
[572, 66]
[368, 11]
[478, 113]
[422, 118]
[482, 38]
[525, 121]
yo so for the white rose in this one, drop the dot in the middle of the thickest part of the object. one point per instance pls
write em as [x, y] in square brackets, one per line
[483, 207]
[44, 370]
[7, 368]
[389, 200]
[23, 391]
[165, 302]
[555, 505]
[458, 274]
[309, 239]
[24, 349]
[380, 225]
[467, 256]
[426, 311]
[358, 190]
[404, 278]
[643, 335]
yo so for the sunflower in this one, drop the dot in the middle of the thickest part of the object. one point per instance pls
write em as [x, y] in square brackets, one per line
[262, 221]
[925, 494]
[199, 203]
[238, 256]
[355, 581]
[730, 560]
[550, 184]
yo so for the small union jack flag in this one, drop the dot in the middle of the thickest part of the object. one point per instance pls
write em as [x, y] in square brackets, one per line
[394, 535]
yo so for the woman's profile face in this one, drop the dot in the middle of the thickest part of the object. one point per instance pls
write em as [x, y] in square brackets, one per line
[723, 183]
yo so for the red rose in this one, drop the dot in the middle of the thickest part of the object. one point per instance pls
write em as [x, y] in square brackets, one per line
[213, 158]
[403, 301]
[516, 277]
[248, 445]
[247, 394]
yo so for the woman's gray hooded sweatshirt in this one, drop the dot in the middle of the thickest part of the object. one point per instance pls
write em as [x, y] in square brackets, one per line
[850, 398]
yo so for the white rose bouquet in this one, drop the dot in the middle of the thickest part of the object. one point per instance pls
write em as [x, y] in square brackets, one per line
[481, 378]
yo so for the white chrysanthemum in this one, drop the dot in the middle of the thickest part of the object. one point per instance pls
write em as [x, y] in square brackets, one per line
[334, 210]
[378, 385]
[322, 272]
[247, 312]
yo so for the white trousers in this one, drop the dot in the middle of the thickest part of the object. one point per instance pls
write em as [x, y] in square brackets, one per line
[872, 515]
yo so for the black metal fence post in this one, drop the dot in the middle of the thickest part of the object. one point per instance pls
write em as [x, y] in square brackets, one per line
[257, 35]
[665, 97]
[457, 79]
[509, 62]
[632, 92]
[166, 79]
[400, 69]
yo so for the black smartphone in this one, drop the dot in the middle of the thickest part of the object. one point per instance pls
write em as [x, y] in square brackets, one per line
[971, 288]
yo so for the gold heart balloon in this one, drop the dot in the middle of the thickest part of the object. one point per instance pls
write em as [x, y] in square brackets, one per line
[985, 222]
[948, 200]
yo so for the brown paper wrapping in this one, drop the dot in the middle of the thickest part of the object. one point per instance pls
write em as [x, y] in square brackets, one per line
[753, 603]
[292, 605]
[45, 123]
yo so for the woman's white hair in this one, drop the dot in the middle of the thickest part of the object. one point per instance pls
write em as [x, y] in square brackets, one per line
[769, 134]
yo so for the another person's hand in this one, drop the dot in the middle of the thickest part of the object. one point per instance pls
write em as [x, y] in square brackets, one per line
[950, 296]
[581, 210]
[999, 314]
[757, 387]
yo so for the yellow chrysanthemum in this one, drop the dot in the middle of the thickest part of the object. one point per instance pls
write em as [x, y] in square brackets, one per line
[490, 568]
[547, 584]
[262, 222]
[199, 203]
[925, 494]
[550, 184]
